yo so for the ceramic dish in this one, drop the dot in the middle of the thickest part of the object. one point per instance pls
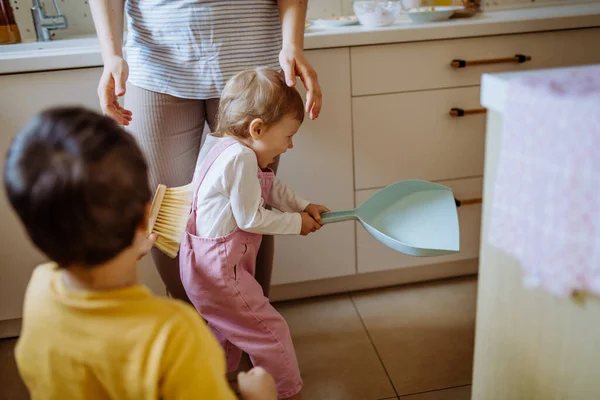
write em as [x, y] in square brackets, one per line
[336, 21]
[374, 14]
[432, 13]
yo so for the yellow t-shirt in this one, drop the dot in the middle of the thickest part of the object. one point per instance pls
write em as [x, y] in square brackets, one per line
[121, 344]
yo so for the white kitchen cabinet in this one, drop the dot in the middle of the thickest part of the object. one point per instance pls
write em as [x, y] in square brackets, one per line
[319, 168]
[24, 95]
[412, 136]
[374, 256]
[426, 65]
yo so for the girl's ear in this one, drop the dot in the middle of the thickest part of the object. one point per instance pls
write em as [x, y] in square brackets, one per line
[256, 128]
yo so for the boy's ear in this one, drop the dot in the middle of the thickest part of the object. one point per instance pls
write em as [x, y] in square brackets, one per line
[143, 226]
[256, 128]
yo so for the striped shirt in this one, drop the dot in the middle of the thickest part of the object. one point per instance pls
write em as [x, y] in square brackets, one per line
[190, 48]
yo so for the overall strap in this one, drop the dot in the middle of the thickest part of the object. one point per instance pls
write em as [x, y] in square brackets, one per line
[204, 166]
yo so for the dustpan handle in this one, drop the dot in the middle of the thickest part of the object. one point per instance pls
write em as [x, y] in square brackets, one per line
[337, 216]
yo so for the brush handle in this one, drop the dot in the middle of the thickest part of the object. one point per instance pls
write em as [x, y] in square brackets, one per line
[338, 216]
[155, 207]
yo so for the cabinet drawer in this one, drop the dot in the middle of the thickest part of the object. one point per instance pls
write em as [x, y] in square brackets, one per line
[412, 136]
[374, 256]
[426, 65]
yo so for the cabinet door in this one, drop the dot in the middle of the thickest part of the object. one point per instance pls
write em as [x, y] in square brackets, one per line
[319, 168]
[24, 95]
[374, 256]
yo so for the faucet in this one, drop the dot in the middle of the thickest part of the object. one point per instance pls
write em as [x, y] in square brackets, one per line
[45, 23]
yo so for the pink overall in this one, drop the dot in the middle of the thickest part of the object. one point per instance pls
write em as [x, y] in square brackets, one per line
[218, 277]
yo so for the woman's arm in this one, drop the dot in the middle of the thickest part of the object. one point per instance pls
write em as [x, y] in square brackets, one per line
[108, 18]
[293, 17]
[291, 58]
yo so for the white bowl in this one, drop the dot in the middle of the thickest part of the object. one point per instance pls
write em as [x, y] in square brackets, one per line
[432, 14]
[374, 14]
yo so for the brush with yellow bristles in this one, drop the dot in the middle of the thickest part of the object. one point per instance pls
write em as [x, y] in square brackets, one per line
[169, 214]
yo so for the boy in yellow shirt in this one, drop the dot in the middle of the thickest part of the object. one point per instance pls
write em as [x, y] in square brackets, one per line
[79, 184]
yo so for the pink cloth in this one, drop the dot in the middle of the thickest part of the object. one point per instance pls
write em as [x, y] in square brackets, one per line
[218, 277]
[546, 205]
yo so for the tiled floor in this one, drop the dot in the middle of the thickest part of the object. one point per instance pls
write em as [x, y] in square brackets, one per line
[410, 343]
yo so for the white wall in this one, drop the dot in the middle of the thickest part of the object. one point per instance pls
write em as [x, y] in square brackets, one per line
[80, 19]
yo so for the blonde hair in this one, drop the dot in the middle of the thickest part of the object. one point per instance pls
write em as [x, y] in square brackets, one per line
[256, 93]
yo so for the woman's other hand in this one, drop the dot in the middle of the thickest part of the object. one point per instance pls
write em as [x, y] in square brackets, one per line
[294, 64]
[111, 87]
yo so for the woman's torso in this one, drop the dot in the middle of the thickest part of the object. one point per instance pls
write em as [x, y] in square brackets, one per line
[190, 48]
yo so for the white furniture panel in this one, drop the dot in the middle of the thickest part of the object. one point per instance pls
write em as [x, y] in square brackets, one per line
[23, 96]
[412, 136]
[426, 65]
[319, 168]
[374, 256]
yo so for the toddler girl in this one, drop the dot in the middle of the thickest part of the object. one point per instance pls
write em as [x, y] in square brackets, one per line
[258, 117]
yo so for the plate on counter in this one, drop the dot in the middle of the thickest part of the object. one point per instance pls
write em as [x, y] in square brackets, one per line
[432, 13]
[336, 21]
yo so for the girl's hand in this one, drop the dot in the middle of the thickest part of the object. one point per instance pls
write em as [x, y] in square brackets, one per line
[309, 225]
[294, 64]
[111, 87]
[315, 211]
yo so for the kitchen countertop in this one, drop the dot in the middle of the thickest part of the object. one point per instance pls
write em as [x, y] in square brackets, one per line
[494, 86]
[85, 52]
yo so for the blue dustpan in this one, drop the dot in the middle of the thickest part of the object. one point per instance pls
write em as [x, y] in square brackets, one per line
[414, 217]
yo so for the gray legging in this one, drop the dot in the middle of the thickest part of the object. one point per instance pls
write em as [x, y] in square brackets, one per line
[169, 131]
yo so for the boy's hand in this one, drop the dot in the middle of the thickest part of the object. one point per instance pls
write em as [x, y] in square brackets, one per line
[147, 245]
[257, 384]
[315, 211]
[309, 225]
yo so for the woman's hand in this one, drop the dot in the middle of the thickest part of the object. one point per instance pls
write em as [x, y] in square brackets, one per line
[293, 63]
[111, 87]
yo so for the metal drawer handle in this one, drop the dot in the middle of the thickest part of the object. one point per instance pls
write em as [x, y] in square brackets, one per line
[459, 112]
[466, 202]
[517, 58]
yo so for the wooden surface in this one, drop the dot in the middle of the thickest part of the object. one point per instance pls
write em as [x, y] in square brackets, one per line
[529, 345]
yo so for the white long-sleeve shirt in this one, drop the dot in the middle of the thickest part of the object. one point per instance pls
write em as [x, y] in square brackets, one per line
[230, 197]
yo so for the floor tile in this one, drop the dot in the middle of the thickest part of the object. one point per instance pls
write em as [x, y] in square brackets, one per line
[337, 360]
[11, 386]
[460, 393]
[424, 333]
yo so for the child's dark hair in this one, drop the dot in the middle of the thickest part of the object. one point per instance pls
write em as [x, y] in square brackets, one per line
[79, 184]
